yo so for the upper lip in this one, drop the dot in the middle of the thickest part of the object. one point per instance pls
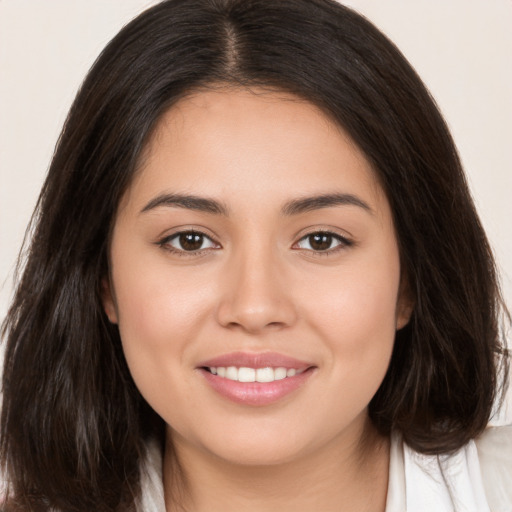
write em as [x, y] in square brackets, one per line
[255, 360]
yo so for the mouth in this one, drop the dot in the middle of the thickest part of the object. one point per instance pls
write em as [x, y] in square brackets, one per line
[244, 374]
[255, 379]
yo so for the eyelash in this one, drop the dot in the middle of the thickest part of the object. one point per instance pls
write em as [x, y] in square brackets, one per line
[343, 243]
[165, 243]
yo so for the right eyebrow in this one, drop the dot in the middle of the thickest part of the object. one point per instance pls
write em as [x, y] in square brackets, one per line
[317, 202]
[190, 202]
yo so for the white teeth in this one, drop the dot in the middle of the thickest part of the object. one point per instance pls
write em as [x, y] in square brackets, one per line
[244, 374]
[265, 375]
[280, 373]
[232, 373]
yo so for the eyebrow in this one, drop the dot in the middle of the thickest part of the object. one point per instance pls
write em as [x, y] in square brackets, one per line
[190, 202]
[307, 204]
[293, 207]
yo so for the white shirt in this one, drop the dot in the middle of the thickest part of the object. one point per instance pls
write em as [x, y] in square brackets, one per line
[477, 478]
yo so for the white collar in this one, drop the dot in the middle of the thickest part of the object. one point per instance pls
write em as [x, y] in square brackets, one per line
[440, 483]
[417, 482]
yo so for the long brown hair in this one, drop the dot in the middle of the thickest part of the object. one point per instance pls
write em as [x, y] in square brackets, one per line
[73, 424]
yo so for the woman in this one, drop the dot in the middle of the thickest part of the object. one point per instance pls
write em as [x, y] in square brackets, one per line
[256, 281]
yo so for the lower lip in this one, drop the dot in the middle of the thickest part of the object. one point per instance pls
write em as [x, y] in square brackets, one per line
[255, 393]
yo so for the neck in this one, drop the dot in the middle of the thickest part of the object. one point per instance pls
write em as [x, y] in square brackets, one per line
[347, 474]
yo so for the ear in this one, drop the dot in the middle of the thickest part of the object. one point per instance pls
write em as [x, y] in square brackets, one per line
[108, 301]
[405, 304]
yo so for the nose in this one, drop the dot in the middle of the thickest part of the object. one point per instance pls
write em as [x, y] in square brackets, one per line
[255, 295]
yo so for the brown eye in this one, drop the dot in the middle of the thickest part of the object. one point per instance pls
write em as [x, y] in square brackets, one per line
[189, 241]
[322, 242]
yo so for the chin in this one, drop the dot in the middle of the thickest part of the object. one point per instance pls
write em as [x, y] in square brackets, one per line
[258, 454]
[245, 446]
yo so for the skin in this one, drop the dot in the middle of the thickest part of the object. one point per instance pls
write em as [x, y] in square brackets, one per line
[258, 285]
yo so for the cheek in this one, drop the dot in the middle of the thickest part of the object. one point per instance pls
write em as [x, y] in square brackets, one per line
[355, 313]
[159, 315]
[156, 331]
[156, 301]
[357, 300]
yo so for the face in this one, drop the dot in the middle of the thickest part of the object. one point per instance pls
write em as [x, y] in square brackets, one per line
[255, 277]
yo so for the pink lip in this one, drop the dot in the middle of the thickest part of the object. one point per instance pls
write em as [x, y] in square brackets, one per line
[256, 360]
[255, 393]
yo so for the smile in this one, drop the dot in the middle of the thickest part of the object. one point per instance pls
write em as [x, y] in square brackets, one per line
[243, 374]
[255, 379]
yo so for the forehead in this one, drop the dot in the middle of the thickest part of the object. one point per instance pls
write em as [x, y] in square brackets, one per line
[255, 144]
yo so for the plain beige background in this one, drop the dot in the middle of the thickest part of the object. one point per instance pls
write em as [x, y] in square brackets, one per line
[461, 48]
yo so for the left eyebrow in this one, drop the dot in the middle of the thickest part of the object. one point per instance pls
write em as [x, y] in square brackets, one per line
[307, 204]
[189, 202]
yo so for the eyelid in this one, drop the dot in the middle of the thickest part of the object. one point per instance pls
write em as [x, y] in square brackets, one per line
[164, 241]
[344, 241]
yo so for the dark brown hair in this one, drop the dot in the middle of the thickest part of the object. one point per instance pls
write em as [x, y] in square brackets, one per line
[73, 423]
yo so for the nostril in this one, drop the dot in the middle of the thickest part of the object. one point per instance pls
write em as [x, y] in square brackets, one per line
[255, 309]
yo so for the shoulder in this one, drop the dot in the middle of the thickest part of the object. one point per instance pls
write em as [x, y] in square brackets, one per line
[151, 485]
[476, 478]
[494, 449]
